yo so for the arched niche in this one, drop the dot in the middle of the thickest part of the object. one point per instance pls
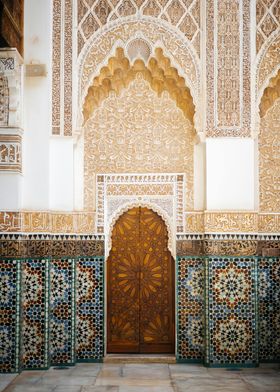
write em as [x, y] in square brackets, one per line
[267, 65]
[269, 143]
[121, 70]
[154, 207]
[270, 94]
[102, 46]
[137, 131]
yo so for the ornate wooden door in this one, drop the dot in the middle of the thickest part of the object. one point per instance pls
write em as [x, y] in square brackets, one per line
[140, 286]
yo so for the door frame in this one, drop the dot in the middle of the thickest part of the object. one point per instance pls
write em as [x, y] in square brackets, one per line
[171, 246]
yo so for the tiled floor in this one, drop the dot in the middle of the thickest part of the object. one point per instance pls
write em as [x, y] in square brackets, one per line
[144, 378]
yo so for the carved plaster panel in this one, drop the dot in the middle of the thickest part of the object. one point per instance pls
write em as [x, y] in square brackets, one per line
[194, 222]
[120, 71]
[56, 67]
[231, 226]
[164, 192]
[230, 222]
[268, 63]
[228, 68]
[184, 16]
[102, 46]
[47, 222]
[269, 160]
[174, 23]
[4, 101]
[230, 247]
[267, 20]
[10, 153]
[10, 221]
[62, 57]
[137, 132]
[269, 223]
[10, 88]
[270, 95]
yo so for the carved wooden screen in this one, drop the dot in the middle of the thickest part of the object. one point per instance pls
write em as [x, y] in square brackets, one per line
[140, 285]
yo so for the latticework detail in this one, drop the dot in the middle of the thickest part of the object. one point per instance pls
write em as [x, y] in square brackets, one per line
[184, 15]
[118, 74]
[268, 20]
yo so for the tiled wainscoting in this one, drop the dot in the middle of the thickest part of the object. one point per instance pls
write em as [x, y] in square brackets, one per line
[52, 304]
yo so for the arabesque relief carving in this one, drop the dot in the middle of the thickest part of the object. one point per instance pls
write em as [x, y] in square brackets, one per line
[102, 47]
[269, 223]
[85, 222]
[269, 158]
[47, 222]
[140, 132]
[270, 95]
[10, 153]
[230, 222]
[4, 99]
[119, 73]
[268, 20]
[232, 248]
[179, 14]
[268, 62]
[228, 78]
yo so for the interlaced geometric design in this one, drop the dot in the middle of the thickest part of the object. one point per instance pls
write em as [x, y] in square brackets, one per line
[183, 15]
[268, 20]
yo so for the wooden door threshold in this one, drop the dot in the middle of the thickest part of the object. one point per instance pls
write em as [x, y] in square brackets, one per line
[139, 358]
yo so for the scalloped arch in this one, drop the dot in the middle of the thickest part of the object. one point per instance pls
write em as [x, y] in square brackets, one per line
[103, 44]
[270, 94]
[128, 206]
[119, 73]
[268, 64]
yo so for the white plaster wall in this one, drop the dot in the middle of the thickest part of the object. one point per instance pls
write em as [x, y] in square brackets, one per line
[37, 105]
[61, 174]
[79, 174]
[199, 181]
[11, 191]
[230, 174]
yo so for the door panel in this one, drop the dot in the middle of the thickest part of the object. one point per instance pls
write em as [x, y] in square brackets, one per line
[140, 285]
[123, 285]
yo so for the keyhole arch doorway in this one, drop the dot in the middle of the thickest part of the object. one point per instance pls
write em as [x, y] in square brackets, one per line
[140, 282]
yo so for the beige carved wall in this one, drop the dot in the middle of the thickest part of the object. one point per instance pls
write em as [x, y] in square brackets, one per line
[4, 99]
[267, 21]
[270, 94]
[269, 159]
[228, 78]
[137, 132]
[102, 46]
[121, 70]
[182, 15]
[267, 43]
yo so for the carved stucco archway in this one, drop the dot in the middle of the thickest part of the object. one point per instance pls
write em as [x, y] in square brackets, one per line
[120, 71]
[154, 207]
[103, 45]
[267, 66]
[270, 94]
[268, 140]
